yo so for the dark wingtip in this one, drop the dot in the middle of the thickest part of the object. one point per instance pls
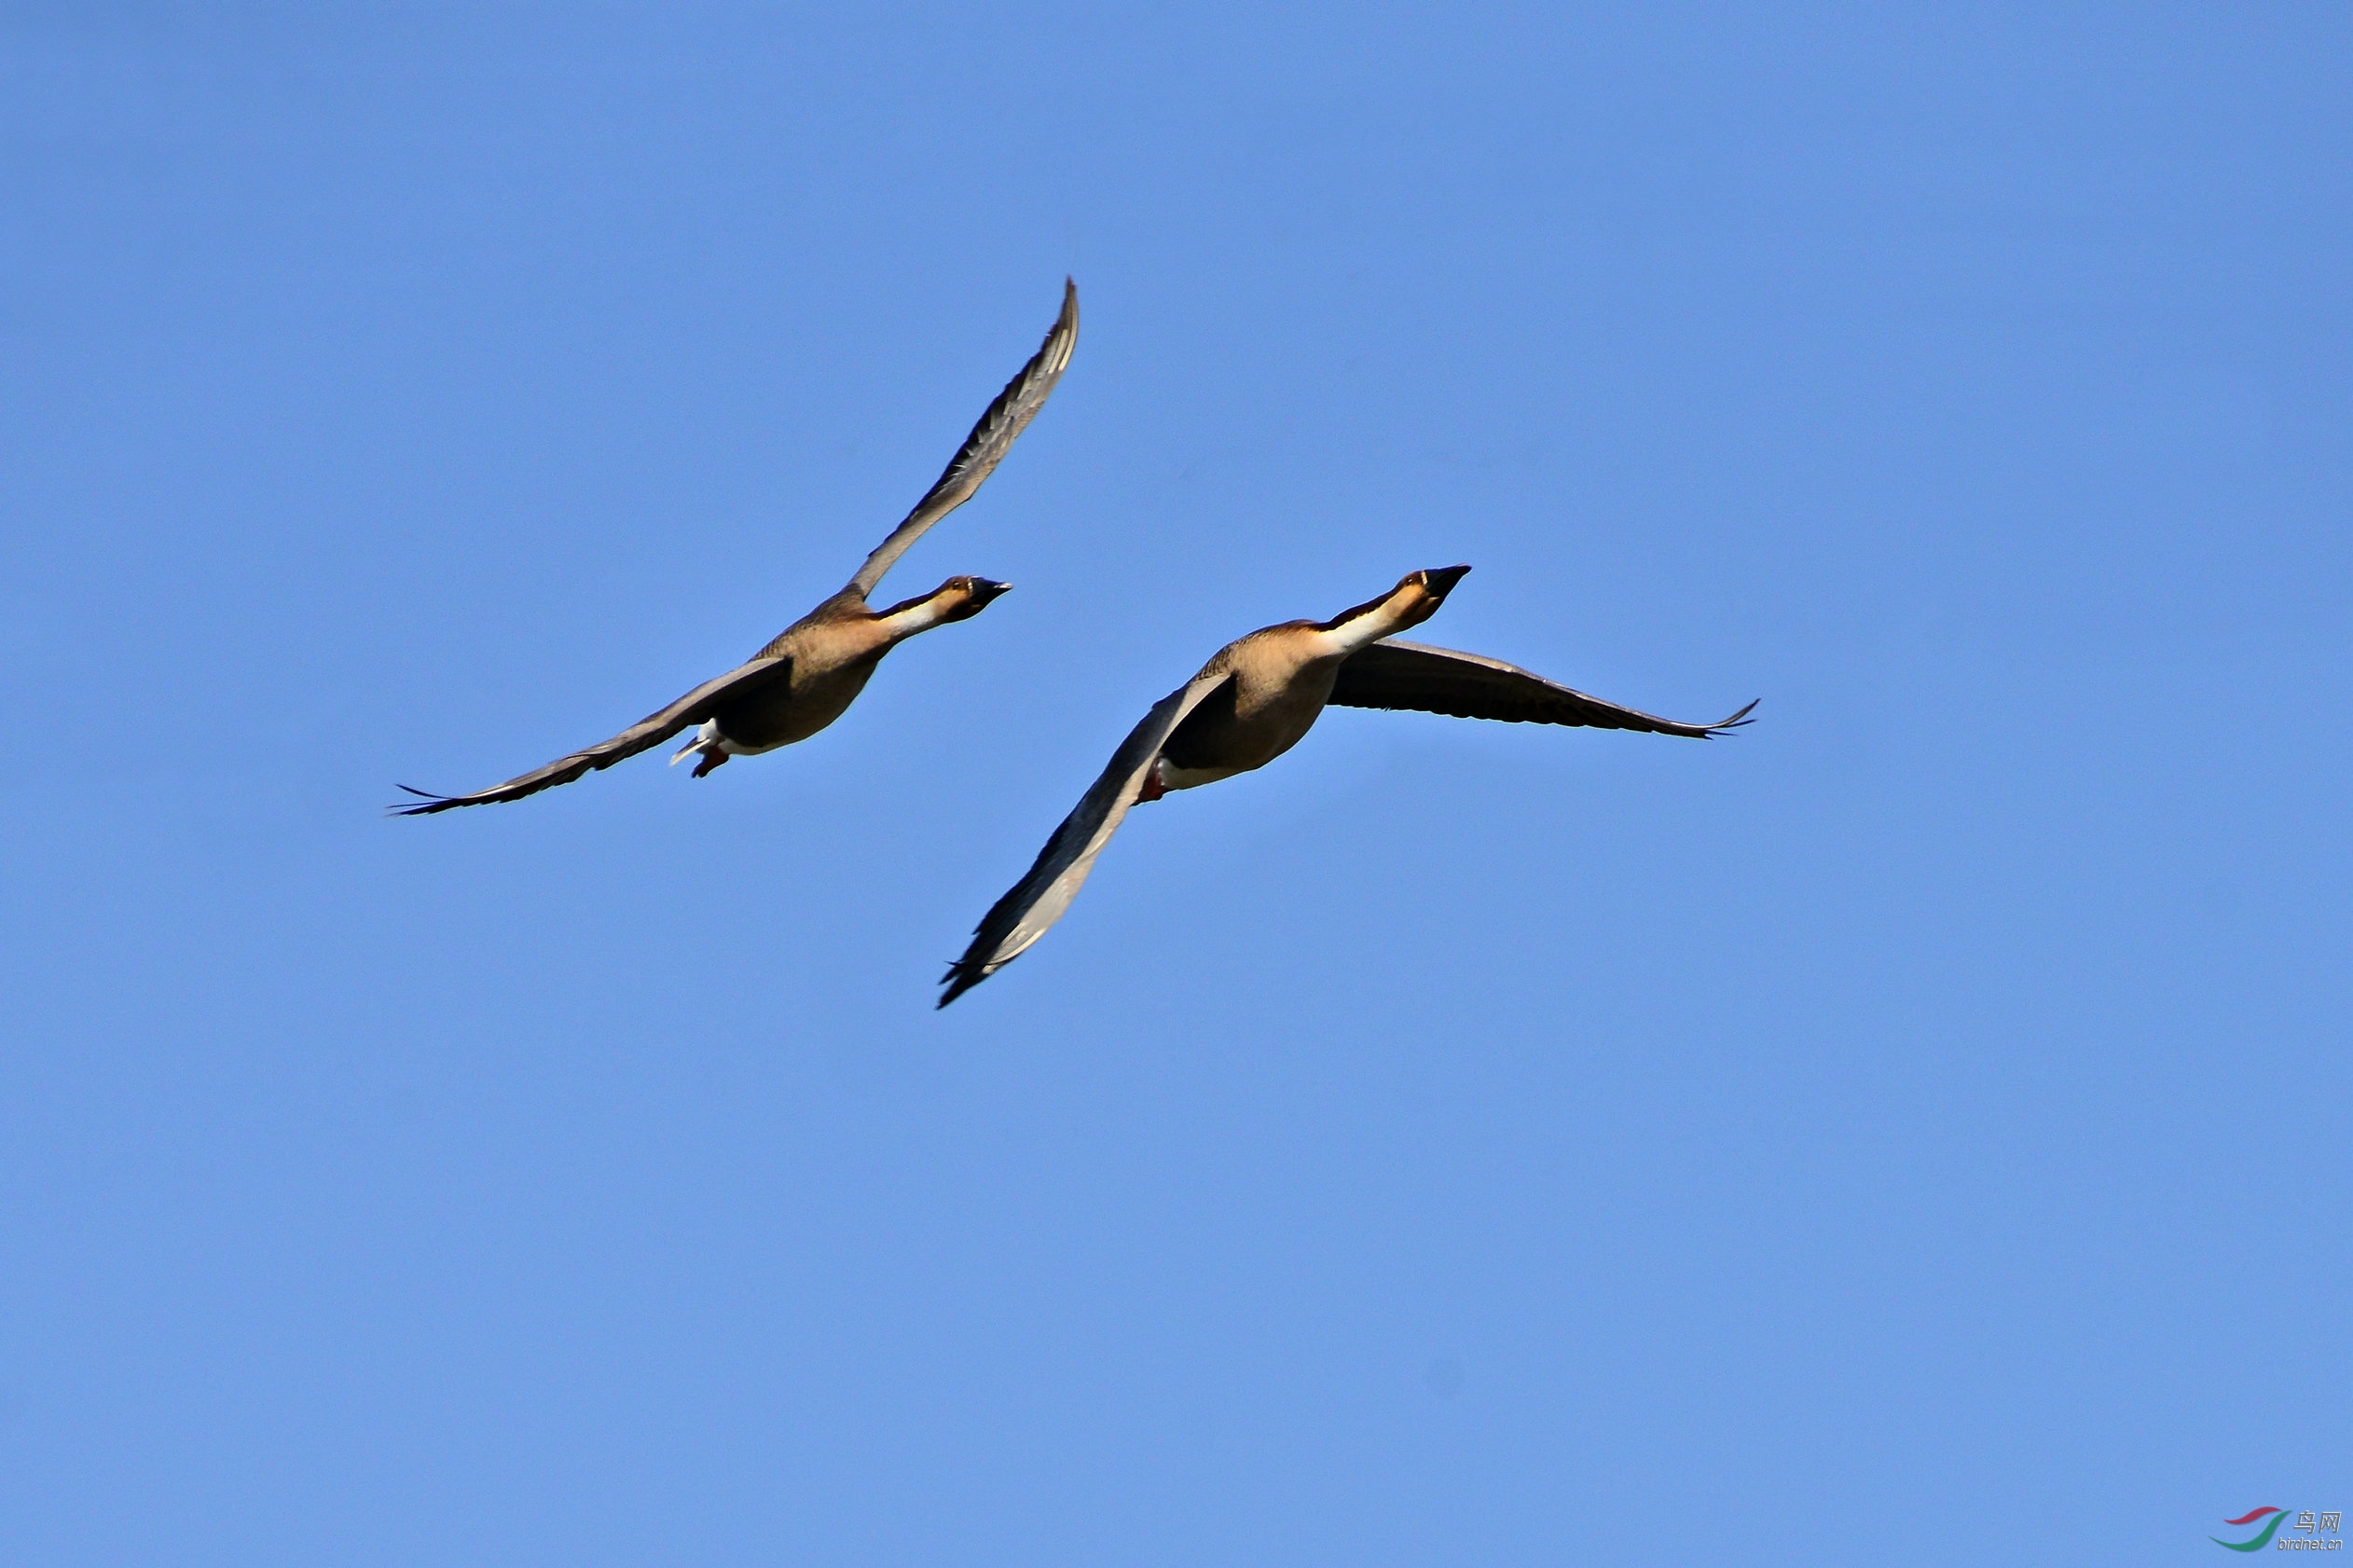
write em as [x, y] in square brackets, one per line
[433, 802]
[1735, 722]
[961, 977]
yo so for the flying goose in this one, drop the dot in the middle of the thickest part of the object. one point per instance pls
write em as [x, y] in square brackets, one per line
[1252, 703]
[814, 668]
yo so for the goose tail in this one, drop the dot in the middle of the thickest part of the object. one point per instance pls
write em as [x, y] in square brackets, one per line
[706, 743]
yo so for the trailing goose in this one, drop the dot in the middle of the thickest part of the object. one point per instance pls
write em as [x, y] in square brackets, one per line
[812, 671]
[1252, 703]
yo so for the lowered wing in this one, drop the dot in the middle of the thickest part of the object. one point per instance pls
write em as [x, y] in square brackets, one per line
[1408, 675]
[986, 447]
[1035, 902]
[651, 730]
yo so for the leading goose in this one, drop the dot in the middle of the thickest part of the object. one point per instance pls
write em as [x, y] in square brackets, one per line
[813, 670]
[1252, 703]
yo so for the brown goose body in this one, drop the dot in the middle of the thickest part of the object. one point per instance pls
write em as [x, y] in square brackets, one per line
[1255, 700]
[827, 656]
[833, 651]
[1277, 684]
[809, 673]
[1273, 685]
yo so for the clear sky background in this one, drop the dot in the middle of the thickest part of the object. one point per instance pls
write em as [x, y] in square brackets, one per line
[1913, 1132]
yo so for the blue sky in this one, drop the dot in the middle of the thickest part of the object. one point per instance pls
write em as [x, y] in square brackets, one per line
[1912, 1132]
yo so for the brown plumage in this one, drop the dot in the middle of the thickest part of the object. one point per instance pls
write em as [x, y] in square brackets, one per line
[1256, 700]
[810, 672]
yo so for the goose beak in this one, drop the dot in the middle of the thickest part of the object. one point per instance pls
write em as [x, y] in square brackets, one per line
[983, 591]
[1441, 582]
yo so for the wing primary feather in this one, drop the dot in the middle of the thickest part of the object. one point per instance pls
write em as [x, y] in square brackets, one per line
[986, 445]
[1724, 726]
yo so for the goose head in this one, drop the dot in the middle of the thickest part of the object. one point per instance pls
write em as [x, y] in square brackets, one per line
[1429, 590]
[1412, 602]
[961, 599]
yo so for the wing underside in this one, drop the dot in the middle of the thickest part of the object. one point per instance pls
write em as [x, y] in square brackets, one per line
[1413, 675]
[1034, 903]
[986, 447]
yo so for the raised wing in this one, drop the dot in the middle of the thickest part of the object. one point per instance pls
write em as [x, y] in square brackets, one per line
[1035, 902]
[1408, 675]
[651, 730]
[986, 447]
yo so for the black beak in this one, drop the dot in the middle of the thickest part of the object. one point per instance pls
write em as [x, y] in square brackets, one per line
[1441, 582]
[985, 590]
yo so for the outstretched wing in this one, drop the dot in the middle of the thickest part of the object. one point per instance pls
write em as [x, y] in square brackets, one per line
[651, 730]
[1035, 902]
[1408, 675]
[986, 447]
